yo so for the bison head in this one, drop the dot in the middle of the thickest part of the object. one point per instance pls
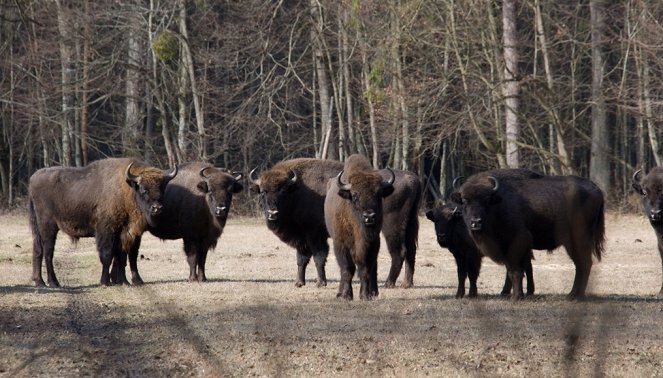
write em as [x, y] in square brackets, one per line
[445, 218]
[149, 184]
[219, 187]
[275, 188]
[365, 191]
[650, 188]
[477, 195]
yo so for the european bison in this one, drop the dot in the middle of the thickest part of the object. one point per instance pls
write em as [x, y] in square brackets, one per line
[650, 188]
[113, 200]
[507, 217]
[196, 206]
[353, 215]
[292, 195]
[453, 235]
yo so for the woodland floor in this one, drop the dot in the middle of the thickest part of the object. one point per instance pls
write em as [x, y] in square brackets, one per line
[250, 319]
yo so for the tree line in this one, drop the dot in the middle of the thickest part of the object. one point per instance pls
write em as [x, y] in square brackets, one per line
[441, 87]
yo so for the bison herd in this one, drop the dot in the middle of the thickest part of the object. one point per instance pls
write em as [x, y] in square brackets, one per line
[503, 214]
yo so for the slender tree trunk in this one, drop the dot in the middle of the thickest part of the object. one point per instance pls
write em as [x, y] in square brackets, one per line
[399, 93]
[321, 74]
[133, 117]
[599, 168]
[511, 85]
[183, 124]
[85, 112]
[67, 65]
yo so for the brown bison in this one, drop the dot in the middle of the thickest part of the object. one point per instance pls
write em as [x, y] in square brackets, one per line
[508, 216]
[292, 195]
[353, 215]
[196, 205]
[650, 188]
[113, 200]
[453, 235]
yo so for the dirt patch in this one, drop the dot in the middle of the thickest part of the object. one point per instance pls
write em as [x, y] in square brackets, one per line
[250, 320]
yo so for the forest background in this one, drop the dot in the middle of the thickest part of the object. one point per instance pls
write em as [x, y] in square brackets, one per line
[441, 87]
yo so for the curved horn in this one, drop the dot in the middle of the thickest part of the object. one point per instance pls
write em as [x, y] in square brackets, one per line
[636, 174]
[237, 175]
[456, 182]
[496, 184]
[340, 183]
[130, 176]
[202, 172]
[255, 181]
[171, 175]
[294, 176]
[392, 178]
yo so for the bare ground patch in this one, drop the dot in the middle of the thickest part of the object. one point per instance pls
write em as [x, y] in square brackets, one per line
[250, 320]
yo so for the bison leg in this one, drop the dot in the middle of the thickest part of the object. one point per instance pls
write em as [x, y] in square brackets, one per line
[529, 274]
[117, 274]
[348, 268]
[410, 255]
[107, 248]
[516, 276]
[461, 270]
[303, 258]
[320, 250]
[580, 253]
[506, 289]
[396, 250]
[133, 262]
[192, 259]
[202, 258]
[45, 249]
[660, 252]
[473, 268]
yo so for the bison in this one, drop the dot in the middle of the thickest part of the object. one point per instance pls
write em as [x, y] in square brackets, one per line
[353, 215]
[509, 216]
[292, 195]
[196, 205]
[453, 235]
[650, 187]
[113, 200]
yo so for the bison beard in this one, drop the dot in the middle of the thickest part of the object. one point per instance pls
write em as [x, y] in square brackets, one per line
[113, 200]
[353, 215]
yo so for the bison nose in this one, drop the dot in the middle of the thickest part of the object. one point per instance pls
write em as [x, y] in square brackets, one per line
[655, 215]
[156, 209]
[220, 210]
[272, 215]
[476, 224]
[369, 217]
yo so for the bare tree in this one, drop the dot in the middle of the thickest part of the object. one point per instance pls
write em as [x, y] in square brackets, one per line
[599, 170]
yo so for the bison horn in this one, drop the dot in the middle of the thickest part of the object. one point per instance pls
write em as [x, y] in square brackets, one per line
[496, 184]
[202, 172]
[237, 175]
[256, 180]
[456, 182]
[340, 183]
[392, 178]
[636, 174]
[130, 176]
[293, 178]
[171, 175]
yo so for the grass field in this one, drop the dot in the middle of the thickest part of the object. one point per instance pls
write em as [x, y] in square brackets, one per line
[250, 319]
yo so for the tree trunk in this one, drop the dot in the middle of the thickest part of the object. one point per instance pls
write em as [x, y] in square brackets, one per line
[67, 65]
[133, 119]
[511, 85]
[599, 168]
[321, 74]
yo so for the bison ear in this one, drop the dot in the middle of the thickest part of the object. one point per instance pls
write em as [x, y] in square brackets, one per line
[345, 194]
[254, 188]
[637, 187]
[430, 215]
[202, 186]
[387, 190]
[456, 197]
[237, 187]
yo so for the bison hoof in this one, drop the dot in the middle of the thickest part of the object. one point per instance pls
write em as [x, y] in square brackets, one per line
[40, 283]
[53, 284]
[407, 285]
[347, 297]
[389, 284]
[300, 283]
[321, 283]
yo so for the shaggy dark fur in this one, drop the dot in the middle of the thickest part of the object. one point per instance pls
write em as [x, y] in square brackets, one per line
[535, 213]
[196, 207]
[104, 200]
[353, 214]
[651, 189]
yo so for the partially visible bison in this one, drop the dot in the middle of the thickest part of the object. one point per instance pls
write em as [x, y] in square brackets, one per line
[453, 235]
[353, 215]
[113, 200]
[507, 217]
[292, 195]
[650, 187]
[196, 206]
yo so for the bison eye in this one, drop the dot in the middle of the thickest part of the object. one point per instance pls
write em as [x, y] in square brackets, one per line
[644, 193]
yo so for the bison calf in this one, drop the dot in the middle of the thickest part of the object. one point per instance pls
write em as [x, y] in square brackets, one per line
[196, 207]
[650, 187]
[113, 200]
[353, 215]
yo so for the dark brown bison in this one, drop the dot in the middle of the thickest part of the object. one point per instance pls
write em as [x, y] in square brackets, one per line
[453, 235]
[507, 217]
[113, 200]
[650, 188]
[292, 195]
[196, 205]
[353, 215]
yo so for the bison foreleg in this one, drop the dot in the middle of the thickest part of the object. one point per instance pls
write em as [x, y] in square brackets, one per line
[202, 258]
[348, 268]
[303, 258]
[133, 262]
[117, 274]
[319, 248]
[660, 252]
[529, 274]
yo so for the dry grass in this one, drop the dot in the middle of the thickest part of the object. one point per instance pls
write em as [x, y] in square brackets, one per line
[250, 320]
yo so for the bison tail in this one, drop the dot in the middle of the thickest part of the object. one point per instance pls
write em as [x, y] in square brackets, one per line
[598, 232]
[34, 227]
